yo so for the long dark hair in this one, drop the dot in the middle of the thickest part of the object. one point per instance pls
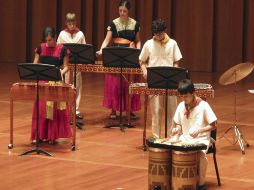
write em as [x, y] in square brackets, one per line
[125, 3]
[48, 31]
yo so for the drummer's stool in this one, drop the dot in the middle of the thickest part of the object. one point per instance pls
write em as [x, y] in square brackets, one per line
[212, 149]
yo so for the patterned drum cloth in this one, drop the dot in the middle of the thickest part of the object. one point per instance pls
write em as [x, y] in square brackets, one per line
[159, 170]
[184, 170]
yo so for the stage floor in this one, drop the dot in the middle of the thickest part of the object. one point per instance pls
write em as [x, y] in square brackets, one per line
[108, 159]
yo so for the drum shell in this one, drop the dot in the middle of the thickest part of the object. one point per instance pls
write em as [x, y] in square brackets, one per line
[159, 169]
[184, 170]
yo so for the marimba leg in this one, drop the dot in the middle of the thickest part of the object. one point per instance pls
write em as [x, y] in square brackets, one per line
[10, 146]
[73, 147]
[145, 121]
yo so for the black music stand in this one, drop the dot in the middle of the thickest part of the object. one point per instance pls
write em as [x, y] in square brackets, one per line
[165, 78]
[80, 54]
[31, 71]
[121, 57]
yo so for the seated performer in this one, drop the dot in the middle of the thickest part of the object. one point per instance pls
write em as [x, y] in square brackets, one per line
[54, 117]
[124, 32]
[73, 35]
[193, 121]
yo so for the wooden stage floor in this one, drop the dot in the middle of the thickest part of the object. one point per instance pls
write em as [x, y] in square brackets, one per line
[107, 159]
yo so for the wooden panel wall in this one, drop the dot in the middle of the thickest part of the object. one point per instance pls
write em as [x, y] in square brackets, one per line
[13, 31]
[249, 31]
[87, 22]
[193, 32]
[145, 19]
[69, 6]
[100, 23]
[163, 9]
[228, 34]
[213, 35]
[112, 13]
[40, 17]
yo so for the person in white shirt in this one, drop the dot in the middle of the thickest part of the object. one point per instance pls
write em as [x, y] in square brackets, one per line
[161, 50]
[72, 34]
[193, 121]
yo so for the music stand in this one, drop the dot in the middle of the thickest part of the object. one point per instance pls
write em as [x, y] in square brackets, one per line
[31, 71]
[80, 54]
[121, 57]
[165, 78]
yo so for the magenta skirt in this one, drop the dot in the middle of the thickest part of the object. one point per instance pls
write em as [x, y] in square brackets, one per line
[111, 98]
[49, 129]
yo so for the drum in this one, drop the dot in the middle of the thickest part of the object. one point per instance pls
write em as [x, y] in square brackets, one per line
[184, 170]
[159, 169]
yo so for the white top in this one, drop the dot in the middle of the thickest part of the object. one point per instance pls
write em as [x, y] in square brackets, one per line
[157, 54]
[66, 37]
[201, 116]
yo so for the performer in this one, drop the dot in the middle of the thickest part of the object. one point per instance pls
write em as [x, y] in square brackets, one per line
[124, 31]
[54, 118]
[193, 121]
[161, 50]
[72, 34]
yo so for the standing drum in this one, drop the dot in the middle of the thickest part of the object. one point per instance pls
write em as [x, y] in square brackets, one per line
[159, 169]
[184, 170]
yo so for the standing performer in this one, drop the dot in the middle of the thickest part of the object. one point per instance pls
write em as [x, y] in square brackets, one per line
[54, 117]
[193, 121]
[160, 51]
[73, 35]
[124, 31]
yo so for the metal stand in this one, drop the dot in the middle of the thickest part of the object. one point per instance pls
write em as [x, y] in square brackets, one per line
[166, 114]
[122, 57]
[37, 149]
[80, 54]
[165, 78]
[238, 136]
[79, 124]
[121, 125]
[30, 71]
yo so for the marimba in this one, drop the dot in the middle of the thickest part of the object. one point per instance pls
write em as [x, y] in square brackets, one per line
[202, 90]
[27, 92]
[99, 68]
